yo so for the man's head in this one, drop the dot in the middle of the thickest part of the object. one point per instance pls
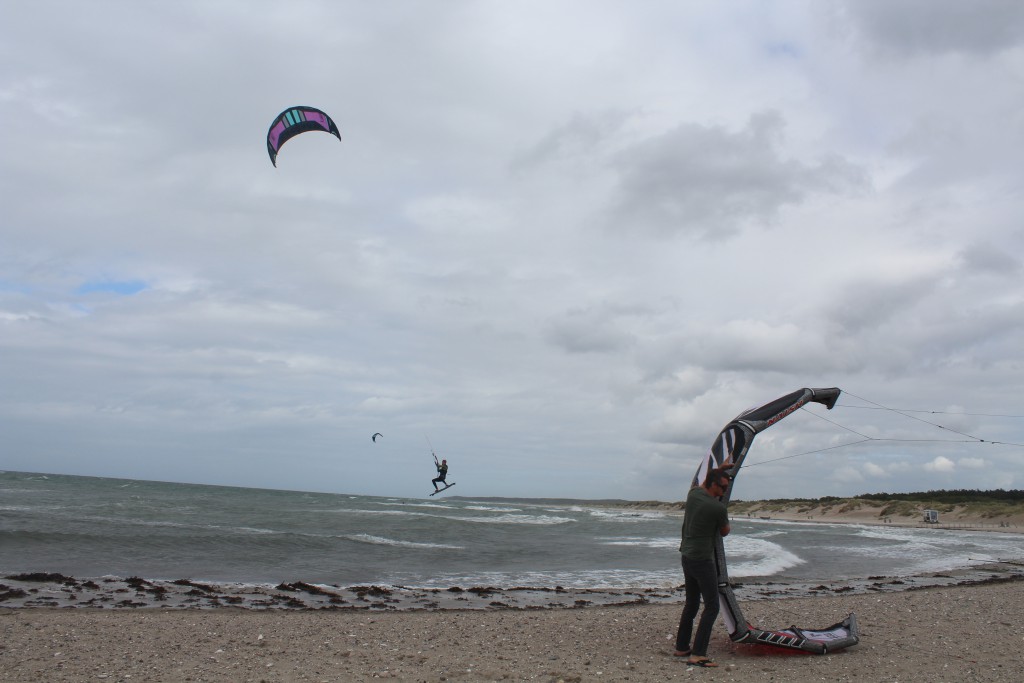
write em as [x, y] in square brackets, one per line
[717, 480]
[444, 462]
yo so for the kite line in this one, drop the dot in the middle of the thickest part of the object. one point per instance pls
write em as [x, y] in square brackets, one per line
[864, 438]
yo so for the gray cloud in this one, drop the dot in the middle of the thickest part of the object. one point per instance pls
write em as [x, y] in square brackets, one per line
[582, 140]
[987, 259]
[709, 183]
[588, 331]
[866, 306]
[924, 27]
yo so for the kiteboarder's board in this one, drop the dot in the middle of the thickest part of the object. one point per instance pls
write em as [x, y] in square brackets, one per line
[444, 489]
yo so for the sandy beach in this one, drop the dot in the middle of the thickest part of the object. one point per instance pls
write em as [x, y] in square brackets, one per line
[967, 632]
[959, 518]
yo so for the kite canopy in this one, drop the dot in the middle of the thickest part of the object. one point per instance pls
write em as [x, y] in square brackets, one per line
[374, 437]
[293, 121]
[730, 450]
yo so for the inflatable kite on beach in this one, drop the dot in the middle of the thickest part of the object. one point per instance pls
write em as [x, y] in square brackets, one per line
[729, 450]
[293, 121]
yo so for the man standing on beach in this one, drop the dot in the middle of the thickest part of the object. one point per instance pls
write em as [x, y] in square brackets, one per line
[704, 519]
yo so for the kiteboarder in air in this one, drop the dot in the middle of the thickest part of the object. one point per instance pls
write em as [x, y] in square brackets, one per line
[442, 472]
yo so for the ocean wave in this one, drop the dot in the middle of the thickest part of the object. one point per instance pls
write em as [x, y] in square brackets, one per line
[487, 508]
[767, 534]
[542, 520]
[245, 529]
[642, 542]
[169, 524]
[758, 557]
[420, 505]
[792, 523]
[895, 534]
[626, 515]
[380, 540]
[587, 579]
[400, 513]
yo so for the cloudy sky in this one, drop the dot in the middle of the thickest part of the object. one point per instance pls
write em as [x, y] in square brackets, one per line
[561, 243]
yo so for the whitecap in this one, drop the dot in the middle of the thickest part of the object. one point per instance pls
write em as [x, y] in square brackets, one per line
[422, 505]
[585, 579]
[514, 519]
[626, 515]
[642, 542]
[380, 540]
[758, 557]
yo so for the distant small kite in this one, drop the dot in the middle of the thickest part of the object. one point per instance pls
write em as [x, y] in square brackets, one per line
[374, 437]
[293, 121]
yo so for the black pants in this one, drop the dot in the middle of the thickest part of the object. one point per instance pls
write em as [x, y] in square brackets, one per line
[439, 479]
[701, 579]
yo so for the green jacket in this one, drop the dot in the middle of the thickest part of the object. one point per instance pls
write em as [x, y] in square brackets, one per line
[703, 520]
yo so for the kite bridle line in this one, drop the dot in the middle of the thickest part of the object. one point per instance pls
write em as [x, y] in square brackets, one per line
[929, 412]
[903, 412]
[914, 417]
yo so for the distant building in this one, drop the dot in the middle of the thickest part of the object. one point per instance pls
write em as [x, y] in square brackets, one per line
[931, 516]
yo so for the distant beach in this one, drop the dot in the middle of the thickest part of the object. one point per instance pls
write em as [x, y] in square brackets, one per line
[1008, 519]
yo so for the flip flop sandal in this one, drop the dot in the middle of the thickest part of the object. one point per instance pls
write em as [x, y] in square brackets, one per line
[704, 663]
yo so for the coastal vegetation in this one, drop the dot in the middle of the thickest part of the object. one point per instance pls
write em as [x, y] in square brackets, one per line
[997, 508]
[992, 505]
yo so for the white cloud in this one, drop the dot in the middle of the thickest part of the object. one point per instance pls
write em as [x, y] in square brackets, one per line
[848, 475]
[873, 470]
[940, 464]
[972, 463]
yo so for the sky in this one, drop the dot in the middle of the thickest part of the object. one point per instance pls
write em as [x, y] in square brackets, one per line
[561, 243]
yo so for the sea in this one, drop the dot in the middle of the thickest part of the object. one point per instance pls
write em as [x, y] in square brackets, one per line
[98, 527]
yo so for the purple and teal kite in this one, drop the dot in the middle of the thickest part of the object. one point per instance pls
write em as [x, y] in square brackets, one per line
[293, 121]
